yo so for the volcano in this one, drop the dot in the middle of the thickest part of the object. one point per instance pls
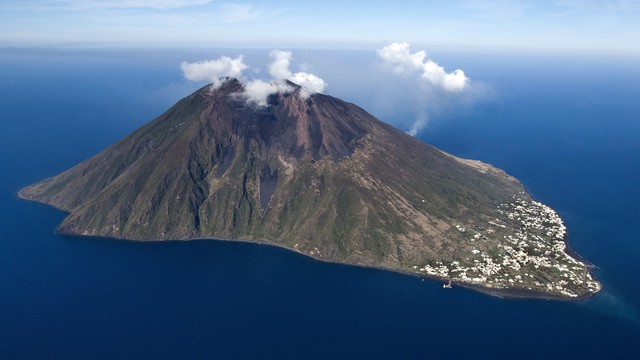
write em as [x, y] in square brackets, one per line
[320, 176]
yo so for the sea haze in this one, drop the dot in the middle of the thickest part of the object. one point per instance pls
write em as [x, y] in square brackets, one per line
[565, 125]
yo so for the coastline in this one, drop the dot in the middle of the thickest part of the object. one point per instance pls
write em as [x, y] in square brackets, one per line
[505, 293]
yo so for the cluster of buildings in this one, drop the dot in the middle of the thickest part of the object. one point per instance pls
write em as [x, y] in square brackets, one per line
[528, 256]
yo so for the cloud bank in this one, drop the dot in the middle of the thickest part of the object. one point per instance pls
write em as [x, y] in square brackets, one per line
[257, 91]
[403, 61]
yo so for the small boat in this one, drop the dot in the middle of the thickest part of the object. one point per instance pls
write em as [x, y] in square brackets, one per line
[447, 286]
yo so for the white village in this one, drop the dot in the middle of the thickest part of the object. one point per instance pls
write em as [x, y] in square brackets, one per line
[534, 258]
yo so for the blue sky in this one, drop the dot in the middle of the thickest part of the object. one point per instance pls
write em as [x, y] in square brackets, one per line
[591, 25]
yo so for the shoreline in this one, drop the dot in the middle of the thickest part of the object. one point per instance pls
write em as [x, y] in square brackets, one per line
[505, 293]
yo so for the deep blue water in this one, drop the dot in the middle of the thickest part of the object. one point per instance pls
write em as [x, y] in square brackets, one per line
[566, 126]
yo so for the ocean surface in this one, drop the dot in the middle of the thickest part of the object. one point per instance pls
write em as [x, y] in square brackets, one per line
[567, 126]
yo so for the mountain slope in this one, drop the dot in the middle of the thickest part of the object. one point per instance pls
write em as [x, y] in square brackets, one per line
[320, 176]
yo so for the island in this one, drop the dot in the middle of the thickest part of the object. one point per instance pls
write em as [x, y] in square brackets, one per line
[320, 176]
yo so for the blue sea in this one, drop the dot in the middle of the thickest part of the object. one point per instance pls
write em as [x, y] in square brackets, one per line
[566, 125]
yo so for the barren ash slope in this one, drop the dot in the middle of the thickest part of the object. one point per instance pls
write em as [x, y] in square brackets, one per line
[323, 177]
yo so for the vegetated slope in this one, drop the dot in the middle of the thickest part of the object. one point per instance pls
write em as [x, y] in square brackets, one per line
[312, 173]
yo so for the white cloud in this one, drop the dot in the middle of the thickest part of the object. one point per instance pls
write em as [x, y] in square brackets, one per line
[310, 83]
[403, 61]
[426, 87]
[398, 55]
[258, 91]
[213, 70]
[280, 70]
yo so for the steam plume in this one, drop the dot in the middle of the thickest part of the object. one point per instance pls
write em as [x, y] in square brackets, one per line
[419, 124]
[403, 61]
[433, 87]
[213, 70]
[256, 91]
[279, 70]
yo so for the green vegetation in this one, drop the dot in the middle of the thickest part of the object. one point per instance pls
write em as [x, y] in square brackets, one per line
[322, 177]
